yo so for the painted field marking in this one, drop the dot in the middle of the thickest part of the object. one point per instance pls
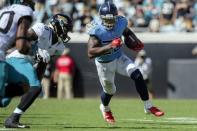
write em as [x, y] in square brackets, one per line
[179, 120]
[6, 129]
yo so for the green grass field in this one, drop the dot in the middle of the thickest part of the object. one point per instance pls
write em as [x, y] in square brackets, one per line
[84, 115]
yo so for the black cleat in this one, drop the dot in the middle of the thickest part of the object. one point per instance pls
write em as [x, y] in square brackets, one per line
[13, 122]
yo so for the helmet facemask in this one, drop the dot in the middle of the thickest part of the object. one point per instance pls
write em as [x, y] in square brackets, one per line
[108, 21]
[61, 26]
[63, 34]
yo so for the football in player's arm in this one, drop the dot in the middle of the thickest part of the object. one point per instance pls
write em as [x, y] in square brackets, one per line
[95, 48]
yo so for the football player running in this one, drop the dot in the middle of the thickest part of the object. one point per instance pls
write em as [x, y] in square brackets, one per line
[105, 46]
[50, 40]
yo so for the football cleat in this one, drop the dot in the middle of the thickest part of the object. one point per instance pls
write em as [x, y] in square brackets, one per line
[155, 111]
[13, 122]
[107, 116]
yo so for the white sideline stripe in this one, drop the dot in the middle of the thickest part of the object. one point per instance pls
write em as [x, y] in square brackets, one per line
[186, 120]
[182, 118]
[5, 129]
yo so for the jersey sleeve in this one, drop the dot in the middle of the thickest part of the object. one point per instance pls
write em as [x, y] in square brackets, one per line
[39, 29]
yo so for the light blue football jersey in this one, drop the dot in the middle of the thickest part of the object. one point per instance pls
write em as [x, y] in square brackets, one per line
[105, 36]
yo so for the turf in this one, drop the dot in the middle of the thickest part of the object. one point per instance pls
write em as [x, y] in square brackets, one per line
[84, 115]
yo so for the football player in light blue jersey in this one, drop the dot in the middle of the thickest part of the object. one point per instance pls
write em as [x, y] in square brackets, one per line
[105, 46]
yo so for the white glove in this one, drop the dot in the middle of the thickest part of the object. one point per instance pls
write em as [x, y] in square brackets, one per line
[43, 55]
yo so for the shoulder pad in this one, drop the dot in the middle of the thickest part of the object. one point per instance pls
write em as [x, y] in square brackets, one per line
[91, 26]
[123, 20]
[39, 29]
[121, 17]
[23, 10]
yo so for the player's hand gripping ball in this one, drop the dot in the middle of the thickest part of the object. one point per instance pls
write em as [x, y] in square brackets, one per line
[116, 43]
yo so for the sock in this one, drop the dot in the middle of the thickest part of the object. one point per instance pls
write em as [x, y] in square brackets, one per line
[105, 98]
[104, 108]
[147, 104]
[18, 111]
[140, 85]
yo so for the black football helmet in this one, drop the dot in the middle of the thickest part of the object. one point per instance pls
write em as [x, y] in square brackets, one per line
[62, 24]
[108, 13]
[29, 3]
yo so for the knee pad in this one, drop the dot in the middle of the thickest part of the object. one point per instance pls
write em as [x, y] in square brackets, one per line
[136, 75]
[4, 102]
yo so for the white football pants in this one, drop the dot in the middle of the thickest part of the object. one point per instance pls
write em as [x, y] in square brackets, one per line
[106, 72]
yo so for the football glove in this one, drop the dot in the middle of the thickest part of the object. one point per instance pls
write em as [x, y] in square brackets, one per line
[42, 55]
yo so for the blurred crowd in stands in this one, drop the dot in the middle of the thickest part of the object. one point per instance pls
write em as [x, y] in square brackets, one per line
[143, 15]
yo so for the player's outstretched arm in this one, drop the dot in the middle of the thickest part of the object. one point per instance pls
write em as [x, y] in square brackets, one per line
[131, 40]
[22, 40]
[95, 48]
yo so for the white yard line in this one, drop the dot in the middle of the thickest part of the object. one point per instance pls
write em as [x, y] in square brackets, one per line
[7, 129]
[183, 120]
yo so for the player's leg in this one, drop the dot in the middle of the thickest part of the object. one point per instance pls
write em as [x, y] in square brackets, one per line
[150, 88]
[106, 73]
[126, 67]
[4, 101]
[27, 75]
[12, 90]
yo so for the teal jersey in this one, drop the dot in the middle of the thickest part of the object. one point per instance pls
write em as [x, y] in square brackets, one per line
[106, 36]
